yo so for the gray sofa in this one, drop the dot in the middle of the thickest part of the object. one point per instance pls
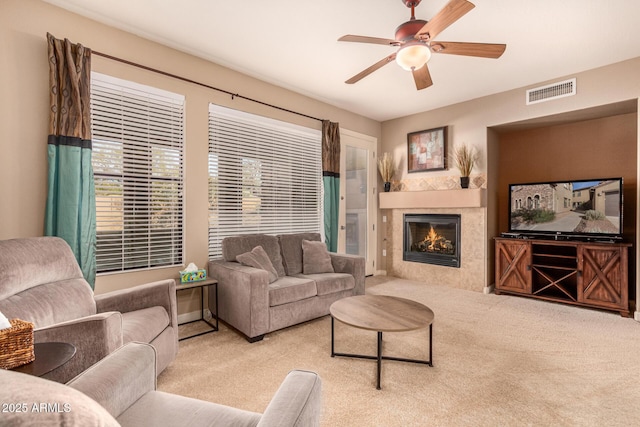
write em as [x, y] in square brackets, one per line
[41, 282]
[305, 282]
[121, 390]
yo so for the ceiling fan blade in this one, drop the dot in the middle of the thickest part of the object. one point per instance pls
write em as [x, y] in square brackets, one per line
[453, 11]
[483, 50]
[365, 39]
[422, 77]
[364, 73]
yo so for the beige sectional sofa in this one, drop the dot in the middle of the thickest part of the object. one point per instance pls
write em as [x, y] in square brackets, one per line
[307, 280]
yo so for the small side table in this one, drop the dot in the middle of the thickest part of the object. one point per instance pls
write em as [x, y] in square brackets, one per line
[49, 356]
[201, 284]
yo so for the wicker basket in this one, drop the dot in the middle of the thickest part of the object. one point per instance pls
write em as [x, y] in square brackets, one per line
[16, 344]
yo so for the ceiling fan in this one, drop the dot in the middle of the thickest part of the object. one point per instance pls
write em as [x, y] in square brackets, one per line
[415, 41]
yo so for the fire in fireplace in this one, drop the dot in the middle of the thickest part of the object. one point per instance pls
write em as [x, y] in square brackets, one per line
[432, 239]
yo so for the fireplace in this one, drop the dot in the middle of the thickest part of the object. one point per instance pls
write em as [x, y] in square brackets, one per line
[432, 239]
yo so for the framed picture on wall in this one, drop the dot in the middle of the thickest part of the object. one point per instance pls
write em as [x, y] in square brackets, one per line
[427, 150]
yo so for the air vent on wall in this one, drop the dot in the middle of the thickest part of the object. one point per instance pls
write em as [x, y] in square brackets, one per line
[552, 91]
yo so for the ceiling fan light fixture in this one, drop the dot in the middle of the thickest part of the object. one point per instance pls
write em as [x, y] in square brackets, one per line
[413, 55]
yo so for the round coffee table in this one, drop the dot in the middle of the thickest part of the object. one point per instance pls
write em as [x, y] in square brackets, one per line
[382, 313]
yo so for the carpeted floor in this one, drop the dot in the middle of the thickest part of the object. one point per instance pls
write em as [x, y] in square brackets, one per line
[498, 361]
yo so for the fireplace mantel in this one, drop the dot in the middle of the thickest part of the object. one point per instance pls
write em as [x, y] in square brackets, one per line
[460, 198]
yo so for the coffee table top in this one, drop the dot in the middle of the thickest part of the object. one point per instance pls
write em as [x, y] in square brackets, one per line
[382, 313]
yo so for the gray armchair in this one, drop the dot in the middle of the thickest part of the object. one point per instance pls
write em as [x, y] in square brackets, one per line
[121, 390]
[41, 282]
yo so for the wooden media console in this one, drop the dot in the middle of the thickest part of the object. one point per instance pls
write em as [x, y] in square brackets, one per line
[588, 274]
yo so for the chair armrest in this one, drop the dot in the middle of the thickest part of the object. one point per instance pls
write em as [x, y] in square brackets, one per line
[351, 264]
[119, 380]
[298, 402]
[161, 293]
[93, 336]
[243, 293]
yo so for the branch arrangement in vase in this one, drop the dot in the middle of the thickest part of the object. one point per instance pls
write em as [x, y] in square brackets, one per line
[386, 167]
[465, 158]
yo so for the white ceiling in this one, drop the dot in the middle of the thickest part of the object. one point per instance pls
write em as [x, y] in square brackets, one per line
[293, 44]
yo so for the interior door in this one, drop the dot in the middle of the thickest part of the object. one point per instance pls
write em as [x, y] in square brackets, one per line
[358, 199]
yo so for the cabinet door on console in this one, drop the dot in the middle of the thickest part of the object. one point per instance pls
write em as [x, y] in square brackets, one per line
[513, 266]
[604, 276]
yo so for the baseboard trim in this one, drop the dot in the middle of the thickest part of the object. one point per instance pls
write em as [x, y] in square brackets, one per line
[636, 316]
[489, 289]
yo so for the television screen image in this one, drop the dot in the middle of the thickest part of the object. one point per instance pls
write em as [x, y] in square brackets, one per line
[572, 208]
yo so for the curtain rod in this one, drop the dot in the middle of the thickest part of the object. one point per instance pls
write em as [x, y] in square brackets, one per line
[184, 79]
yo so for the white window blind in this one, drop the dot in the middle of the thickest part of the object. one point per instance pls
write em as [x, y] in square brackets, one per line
[265, 176]
[138, 139]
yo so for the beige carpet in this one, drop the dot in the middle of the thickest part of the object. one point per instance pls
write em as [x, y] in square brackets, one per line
[498, 361]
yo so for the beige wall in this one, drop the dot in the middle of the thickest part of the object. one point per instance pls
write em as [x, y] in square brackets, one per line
[24, 109]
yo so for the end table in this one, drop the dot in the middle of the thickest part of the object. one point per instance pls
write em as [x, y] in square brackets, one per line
[49, 356]
[201, 284]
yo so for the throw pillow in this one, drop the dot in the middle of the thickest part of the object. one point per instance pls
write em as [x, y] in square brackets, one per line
[315, 258]
[258, 258]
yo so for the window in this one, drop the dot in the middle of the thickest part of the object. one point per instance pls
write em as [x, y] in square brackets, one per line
[265, 176]
[138, 138]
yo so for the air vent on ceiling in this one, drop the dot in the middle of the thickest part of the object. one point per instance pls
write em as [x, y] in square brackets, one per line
[552, 91]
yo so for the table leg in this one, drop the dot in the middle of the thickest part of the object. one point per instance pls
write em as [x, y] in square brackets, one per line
[430, 344]
[201, 302]
[333, 353]
[216, 293]
[379, 358]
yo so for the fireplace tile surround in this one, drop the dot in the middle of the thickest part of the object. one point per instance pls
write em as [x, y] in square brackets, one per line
[472, 272]
[470, 205]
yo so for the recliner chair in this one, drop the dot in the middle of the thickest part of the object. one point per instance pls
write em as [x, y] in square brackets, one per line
[41, 282]
[120, 390]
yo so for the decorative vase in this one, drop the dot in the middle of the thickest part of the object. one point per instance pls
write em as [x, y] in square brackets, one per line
[387, 187]
[464, 181]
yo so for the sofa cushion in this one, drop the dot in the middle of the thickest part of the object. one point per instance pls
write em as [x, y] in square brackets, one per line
[290, 289]
[46, 403]
[329, 283]
[258, 258]
[315, 258]
[236, 245]
[51, 303]
[291, 246]
[144, 325]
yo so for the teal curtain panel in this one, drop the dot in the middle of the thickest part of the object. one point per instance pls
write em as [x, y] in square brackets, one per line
[331, 181]
[71, 201]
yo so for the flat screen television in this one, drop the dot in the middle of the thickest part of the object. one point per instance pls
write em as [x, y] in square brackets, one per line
[589, 209]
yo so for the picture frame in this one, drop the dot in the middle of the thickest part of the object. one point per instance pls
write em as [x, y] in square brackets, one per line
[427, 150]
